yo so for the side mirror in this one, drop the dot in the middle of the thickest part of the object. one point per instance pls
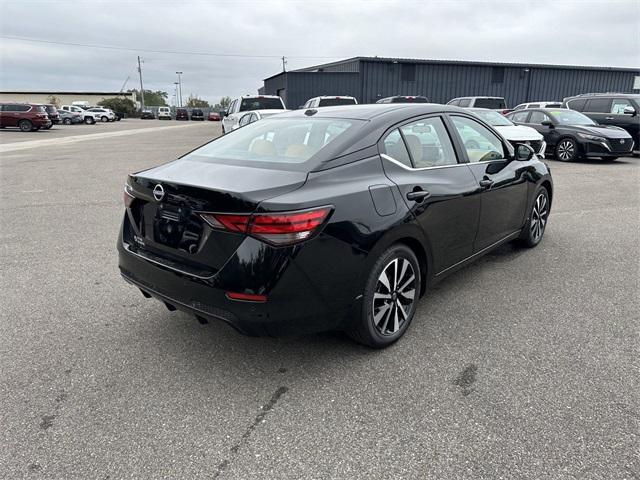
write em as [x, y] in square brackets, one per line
[629, 110]
[524, 153]
[547, 123]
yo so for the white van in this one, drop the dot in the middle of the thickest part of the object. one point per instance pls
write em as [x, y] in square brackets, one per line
[164, 113]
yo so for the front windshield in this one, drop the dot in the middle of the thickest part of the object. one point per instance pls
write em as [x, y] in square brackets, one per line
[493, 118]
[275, 142]
[570, 117]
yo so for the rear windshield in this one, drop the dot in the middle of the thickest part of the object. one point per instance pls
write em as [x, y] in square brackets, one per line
[279, 143]
[260, 103]
[495, 103]
[410, 100]
[51, 109]
[39, 108]
[330, 102]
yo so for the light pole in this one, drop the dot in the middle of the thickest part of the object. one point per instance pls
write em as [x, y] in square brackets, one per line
[180, 86]
[175, 93]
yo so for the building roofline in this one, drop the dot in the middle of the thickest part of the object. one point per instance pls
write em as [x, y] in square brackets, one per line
[467, 62]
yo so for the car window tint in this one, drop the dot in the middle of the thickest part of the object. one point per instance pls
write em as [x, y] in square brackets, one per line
[465, 102]
[480, 143]
[454, 103]
[619, 104]
[577, 104]
[519, 117]
[394, 147]
[521, 106]
[429, 143]
[538, 118]
[244, 120]
[598, 105]
[533, 105]
[23, 108]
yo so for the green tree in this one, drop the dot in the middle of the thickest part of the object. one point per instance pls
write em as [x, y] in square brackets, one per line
[124, 105]
[223, 104]
[156, 98]
[195, 102]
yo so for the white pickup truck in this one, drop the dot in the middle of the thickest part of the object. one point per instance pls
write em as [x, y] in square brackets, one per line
[231, 118]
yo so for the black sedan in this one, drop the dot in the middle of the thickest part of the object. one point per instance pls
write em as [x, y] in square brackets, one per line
[570, 135]
[332, 219]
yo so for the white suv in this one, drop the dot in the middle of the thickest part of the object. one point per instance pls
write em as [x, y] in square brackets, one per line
[87, 116]
[105, 114]
[248, 103]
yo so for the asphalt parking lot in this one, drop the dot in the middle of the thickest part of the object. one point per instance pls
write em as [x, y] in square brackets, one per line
[524, 365]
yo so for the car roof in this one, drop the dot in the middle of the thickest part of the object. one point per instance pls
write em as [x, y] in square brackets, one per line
[373, 110]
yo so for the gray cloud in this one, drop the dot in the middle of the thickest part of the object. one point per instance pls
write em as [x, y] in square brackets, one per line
[564, 32]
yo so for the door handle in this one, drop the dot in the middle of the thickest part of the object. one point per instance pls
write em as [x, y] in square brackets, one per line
[608, 118]
[486, 183]
[417, 195]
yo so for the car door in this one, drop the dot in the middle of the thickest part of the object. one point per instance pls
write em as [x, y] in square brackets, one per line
[598, 109]
[551, 135]
[10, 115]
[441, 192]
[230, 119]
[503, 182]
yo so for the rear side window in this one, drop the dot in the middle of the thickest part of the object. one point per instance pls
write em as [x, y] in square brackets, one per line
[538, 118]
[283, 144]
[26, 108]
[259, 103]
[479, 142]
[493, 103]
[533, 105]
[598, 105]
[519, 117]
[465, 102]
[394, 147]
[577, 104]
[455, 103]
[429, 143]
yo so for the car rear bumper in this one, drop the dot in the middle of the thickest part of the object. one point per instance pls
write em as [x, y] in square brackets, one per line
[294, 305]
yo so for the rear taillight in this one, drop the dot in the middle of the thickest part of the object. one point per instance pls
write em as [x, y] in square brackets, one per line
[282, 228]
[128, 196]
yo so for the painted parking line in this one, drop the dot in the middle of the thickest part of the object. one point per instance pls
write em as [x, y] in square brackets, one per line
[52, 142]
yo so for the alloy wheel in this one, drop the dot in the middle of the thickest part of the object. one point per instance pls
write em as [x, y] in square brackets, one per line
[539, 217]
[566, 150]
[394, 296]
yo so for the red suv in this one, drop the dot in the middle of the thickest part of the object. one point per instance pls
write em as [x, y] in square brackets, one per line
[27, 117]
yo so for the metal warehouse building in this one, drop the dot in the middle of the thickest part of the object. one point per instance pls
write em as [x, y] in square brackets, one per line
[371, 78]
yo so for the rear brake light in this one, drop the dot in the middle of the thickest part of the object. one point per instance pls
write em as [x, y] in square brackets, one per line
[128, 196]
[282, 228]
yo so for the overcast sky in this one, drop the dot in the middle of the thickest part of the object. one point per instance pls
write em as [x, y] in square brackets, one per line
[602, 33]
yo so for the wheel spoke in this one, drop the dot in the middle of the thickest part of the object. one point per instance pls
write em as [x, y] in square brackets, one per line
[408, 294]
[404, 264]
[381, 313]
[381, 296]
[384, 279]
[407, 283]
[395, 274]
[387, 317]
[401, 308]
[395, 320]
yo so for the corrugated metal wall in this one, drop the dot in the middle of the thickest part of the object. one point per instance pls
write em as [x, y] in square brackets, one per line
[442, 82]
[301, 86]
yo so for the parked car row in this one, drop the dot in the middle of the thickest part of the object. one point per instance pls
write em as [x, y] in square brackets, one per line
[164, 113]
[31, 117]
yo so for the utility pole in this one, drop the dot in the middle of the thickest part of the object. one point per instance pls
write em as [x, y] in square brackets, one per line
[141, 86]
[284, 62]
[180, 86]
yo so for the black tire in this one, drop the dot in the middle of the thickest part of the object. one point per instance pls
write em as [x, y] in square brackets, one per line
[537, 220]
[566, 150]
[25, 125]
[67, 121]
[387, 309]
[104, 119]
[49, 127]
[89, 120]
